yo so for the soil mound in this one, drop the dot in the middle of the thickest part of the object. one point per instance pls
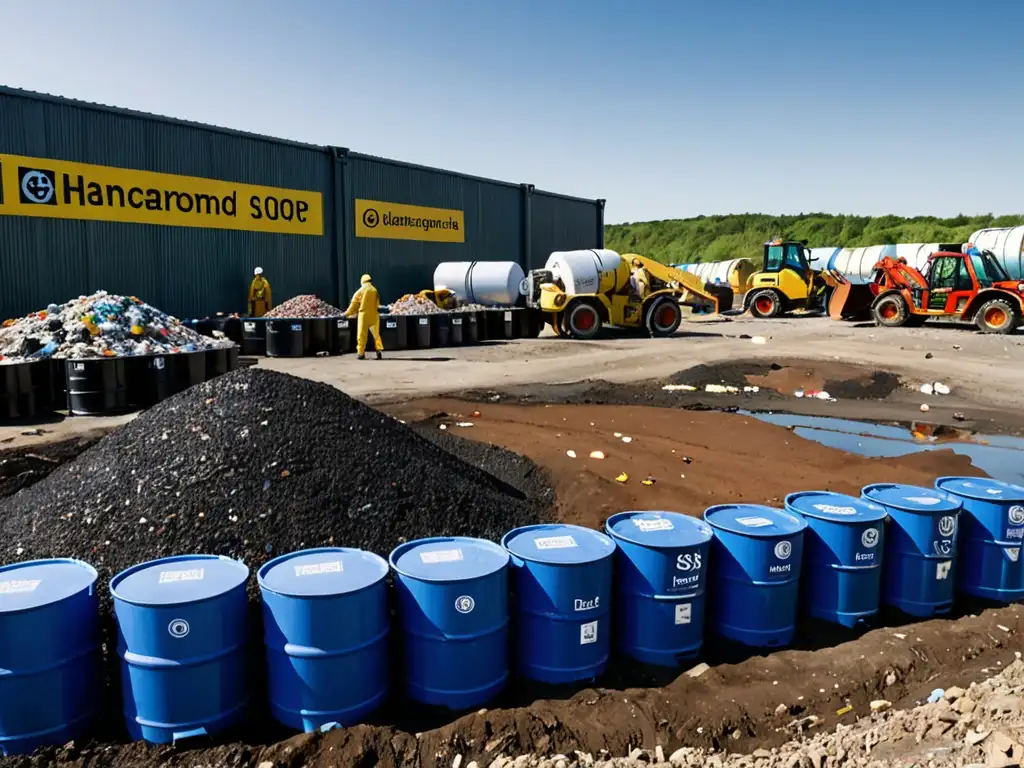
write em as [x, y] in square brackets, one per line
[254, 464]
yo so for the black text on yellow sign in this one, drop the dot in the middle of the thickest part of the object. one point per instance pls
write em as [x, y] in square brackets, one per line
[396, 221]
[56, 189]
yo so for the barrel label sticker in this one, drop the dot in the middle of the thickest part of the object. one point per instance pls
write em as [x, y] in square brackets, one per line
[297, 327]
[465, 604]
[581, 604]
[18, 586]
[508, 316]
[178, 628]
[555, 542]
[441, 556]
[1014, 533]
[942, 570]
[754, 522]
[869, 538]
[784, 549]
[831, 509]
[424, 321]
[684, 612]
[1017, 515]
[588, 633]
[947, 525]
[658, 524]
[315, 569]
[391, 324]
[456, 321]
[1013, 554]
[943, 548]
[924, 501]
[158, 363]
[343, 323]
[79, 366]
[249, 326]
[189, 574]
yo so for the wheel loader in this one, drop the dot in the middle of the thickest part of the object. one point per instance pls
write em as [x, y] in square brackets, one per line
[786, 281]
[579, 292]
[970, 287]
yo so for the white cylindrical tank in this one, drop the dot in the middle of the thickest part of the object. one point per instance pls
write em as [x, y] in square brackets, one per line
[917, 254]
[580, 271]
[858, 264]
[1007, 244]
[821, 258]
[733, 272]
[492, 283]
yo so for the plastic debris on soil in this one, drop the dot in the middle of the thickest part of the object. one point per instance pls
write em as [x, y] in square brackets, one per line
[305, 306]
[411, 304]
[254, 464]
[100, 325]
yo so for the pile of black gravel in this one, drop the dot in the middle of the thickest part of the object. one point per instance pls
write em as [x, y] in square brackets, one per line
[255, 464]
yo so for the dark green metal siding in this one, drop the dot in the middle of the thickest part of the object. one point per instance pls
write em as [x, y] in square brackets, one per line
[562, 223]
[183, 270]
[493, 214]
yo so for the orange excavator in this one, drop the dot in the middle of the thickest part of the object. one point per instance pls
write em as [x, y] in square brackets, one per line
[971, 287]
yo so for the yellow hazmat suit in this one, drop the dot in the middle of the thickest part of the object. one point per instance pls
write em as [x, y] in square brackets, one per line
[641, 279]
[259, 297]
[366, 301]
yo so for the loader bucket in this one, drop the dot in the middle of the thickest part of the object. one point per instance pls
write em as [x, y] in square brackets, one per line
[846, 300]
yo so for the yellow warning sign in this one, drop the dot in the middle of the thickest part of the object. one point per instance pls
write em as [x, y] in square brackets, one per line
[57, 189]
[396, 221]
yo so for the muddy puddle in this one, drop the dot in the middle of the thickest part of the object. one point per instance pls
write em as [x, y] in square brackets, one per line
[1000, 456]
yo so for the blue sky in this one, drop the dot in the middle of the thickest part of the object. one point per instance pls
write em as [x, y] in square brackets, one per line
[667, 108]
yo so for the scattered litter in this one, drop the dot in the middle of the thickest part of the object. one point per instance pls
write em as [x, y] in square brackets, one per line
[648, 481]
[752, 389]
[721, 388]
[679, 388]
[798, 393]
[940, 388]
[410, 304]
[571, 454]
[463, 423]
[475, 414]
[844, 710]
[687, 460]
[957, 346]
[758, 340]
[937, 695]
[899, 635]
[305, 306]
[443, 426]
[927, 389]
[597, 454]
[880, 705]
[959, 416]
[925, 408]
[622, 478]
[627, 439]
[617, 434]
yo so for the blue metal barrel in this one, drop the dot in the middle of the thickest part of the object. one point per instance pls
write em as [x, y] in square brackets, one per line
[182, 630]
[325, 627]
[756, 557]
[843, 547]
[920, 547]
[991, 532]
[453, 612]
[660, 563]
[561, 587]
[49, 653]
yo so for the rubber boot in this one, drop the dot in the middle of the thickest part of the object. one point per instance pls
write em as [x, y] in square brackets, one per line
[360, 357]
[380, 356]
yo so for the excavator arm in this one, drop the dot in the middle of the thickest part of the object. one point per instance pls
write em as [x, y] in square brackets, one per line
[695, 293]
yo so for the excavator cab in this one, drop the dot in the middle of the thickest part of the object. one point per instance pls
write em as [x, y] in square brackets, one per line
[787, 281]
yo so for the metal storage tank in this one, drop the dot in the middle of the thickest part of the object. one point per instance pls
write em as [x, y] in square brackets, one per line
[492, 283]
[858, 264]
[182, 628]
[660, 562]
[453, 612]
[561, 587]
[49, 653]
[989, 564]
[920, 547]
[756, 557]
[589, 271]
[843, 546]
[820, 258]
[917, 254]
[734, 272]
[1008, 246]
[325, 628]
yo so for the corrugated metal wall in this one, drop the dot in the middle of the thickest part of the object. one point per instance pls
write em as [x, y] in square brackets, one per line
[191, 271]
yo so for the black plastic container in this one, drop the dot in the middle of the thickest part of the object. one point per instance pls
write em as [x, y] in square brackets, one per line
[17, 391]
[457, 329]
[231, 327]
[419, 331]
[471, 329]
[254, 336]
[41, 372]
[500, 325]
[318, 335]
[189, 369]
[233, 358]
[149, 379]
[441, 329]
[216, 362]
[482, 329]
[96, 386]
[394, 332]
[343, 335]
[534, 323]
[58, 395]
[286, 337]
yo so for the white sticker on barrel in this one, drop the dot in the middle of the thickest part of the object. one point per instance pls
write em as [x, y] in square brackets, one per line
[424, 321]
[343, 323]
[754, 522]
[297, 327]
[188, 574]
[315, 569]
[158, 363]
[831, 509]
[1016, 515]
[508, 316]
[1013, 553]
[947, 525]
[942, 570]
[869, 538]
[588, 633]
[249, 326]
[391, 324]
[456, 321]
[441, 556]
[684, 612]
[658, 524]
[79, 366]
[924, 501]
[783, 549]
[18, 586]
[555, 542]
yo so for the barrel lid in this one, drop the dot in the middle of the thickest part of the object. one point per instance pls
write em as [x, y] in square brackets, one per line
[35, 583]
[448, 558]
[322, 572]
[755, 520]
[981, 488]
[668, 530]
[835, 507]
[179, 580]
[558, 544]
[911, 498]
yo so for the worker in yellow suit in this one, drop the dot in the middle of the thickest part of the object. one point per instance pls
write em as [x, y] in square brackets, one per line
[259, 294]
[366, 301]
[640, 279]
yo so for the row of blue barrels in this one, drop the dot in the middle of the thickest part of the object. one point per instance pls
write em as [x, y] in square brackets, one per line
[304, 337]
[105, 385]
[471, 612]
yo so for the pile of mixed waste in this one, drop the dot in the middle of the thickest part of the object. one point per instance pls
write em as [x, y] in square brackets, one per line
[100, 325]
[410, 304]
[305, 306]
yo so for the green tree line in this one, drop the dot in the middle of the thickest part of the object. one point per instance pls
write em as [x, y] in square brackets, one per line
[717, 238]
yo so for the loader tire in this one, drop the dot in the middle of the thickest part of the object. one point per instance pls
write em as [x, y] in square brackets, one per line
[998, 316]
[890, 311]
[583, 321]
[766, 304]
[663, 317]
